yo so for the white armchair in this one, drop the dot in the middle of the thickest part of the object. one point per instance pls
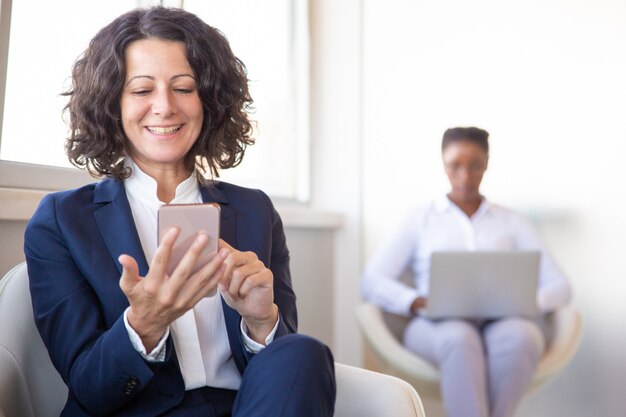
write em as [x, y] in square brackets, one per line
[362, 393]
[29, 384]
[385, 353]
[31, 387]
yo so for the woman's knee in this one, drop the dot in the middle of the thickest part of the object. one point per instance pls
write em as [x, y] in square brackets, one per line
[458, 337]
[515, 335]
[296, 373]
[299, 349]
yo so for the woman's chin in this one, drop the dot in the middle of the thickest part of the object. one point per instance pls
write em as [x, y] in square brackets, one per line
[465, 194]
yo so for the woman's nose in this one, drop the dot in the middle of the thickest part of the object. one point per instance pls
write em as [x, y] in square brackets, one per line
[463, 173]
[164, 103]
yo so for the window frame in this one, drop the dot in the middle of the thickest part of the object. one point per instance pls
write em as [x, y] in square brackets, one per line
[5, 33]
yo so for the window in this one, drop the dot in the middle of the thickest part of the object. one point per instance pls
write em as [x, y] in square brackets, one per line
[270, 37]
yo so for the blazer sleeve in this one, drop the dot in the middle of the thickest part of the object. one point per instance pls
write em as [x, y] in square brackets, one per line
[284, 296]
[274, 253]
[95, 359]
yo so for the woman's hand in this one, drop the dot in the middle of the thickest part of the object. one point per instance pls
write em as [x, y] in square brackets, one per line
[418, 303]
[248, 287]
[157, 299]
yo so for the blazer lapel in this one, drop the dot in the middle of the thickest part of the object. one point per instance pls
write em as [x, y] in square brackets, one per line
[228, 231]
[116, 224]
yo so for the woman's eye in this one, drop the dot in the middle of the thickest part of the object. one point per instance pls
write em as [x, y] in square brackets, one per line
[140, 93]
[184, 90]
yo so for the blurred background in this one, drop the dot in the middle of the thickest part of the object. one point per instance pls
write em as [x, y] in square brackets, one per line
[546, 79]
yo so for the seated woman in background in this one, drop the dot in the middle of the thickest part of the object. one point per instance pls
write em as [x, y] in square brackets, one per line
[487, 366]
[156, 96]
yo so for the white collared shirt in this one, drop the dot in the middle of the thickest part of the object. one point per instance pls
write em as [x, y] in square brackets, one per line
[200, 335]
[442, 226]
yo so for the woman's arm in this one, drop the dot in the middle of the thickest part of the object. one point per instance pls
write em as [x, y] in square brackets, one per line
[78, 305]
[554, 290]
[380, 281]
[86, 340]
[263, 238]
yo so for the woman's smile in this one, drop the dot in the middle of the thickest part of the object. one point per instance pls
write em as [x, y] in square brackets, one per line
[164, 130]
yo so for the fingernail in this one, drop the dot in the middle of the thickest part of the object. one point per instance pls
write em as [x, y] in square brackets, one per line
[201, 238]
[224, 253]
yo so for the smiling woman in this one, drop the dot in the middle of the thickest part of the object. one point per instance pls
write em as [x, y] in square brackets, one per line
[485, 365]
[276, 55]
[157, 95]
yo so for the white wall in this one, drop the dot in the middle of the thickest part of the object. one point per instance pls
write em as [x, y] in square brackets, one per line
[546, 78]
[336, 152]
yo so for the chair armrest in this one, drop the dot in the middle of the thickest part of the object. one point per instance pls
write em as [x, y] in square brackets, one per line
[366, 393]
[388, 348]
[29, 384]
[567, 324]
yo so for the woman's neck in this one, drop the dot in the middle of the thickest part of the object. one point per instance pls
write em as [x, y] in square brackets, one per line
[468, 204]
[167, 177]
[166, 188]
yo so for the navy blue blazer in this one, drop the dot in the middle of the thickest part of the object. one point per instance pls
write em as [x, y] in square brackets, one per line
[72, 244]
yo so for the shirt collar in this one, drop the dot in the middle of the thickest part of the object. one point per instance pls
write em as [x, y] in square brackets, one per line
[443, 204]
[144, 187]
[483, 209]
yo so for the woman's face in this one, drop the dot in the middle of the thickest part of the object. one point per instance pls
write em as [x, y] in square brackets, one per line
[465, 163]
[161, 109]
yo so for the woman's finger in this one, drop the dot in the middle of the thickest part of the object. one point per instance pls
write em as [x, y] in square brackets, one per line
[230, 261]
[263, 278]
[158, 266]
[206, 279]
[214, 264]
[221, 244]
[185, 267]
[204, 286]
[241, 273]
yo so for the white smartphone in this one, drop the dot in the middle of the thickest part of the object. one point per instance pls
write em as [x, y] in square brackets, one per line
[190, 219]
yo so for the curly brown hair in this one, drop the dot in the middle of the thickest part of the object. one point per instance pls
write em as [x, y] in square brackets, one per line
[97, 140]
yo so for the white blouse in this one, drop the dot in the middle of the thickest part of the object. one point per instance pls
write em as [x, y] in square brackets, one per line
[200, 335]
[443, 226]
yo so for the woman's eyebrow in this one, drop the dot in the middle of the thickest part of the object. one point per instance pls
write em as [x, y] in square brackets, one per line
[183, 75]
[152, 78]
[139, 76]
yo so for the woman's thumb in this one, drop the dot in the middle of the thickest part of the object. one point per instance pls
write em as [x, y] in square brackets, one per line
[130, 272]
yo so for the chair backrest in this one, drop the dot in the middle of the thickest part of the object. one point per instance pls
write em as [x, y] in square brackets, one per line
[396, 324]
[29, 384]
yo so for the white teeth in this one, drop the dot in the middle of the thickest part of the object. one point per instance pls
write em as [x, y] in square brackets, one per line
[164, 130]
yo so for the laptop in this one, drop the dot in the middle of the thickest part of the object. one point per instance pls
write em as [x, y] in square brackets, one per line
[483, 285]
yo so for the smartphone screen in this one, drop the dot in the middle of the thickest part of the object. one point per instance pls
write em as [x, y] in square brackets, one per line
[190, 219]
